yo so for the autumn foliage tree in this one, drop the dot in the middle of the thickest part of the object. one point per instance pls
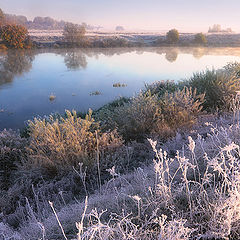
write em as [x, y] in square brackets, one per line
[14, 36]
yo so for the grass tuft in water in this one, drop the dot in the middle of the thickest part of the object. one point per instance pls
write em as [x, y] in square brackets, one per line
[52, 97]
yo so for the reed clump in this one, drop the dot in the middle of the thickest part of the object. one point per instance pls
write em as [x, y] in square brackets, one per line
[219, 86]
[60, 143]
[148, 114]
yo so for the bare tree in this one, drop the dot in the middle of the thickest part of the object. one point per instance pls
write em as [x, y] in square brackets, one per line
[74, 33]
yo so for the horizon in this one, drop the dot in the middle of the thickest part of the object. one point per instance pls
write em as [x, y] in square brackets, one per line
[135, 15]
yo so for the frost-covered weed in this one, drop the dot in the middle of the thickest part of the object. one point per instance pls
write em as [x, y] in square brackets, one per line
[58, 144]
[194, 195]
[148, 114]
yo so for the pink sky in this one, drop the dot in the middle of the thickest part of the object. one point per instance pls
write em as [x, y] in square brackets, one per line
[185, 15]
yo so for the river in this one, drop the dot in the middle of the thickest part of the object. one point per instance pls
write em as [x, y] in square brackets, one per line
[39, 82]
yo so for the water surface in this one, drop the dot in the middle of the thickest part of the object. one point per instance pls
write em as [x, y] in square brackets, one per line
[82, 79]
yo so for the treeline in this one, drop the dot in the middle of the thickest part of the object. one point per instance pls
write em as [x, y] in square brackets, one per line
[216, 28]
[42, 23]
[13, 35]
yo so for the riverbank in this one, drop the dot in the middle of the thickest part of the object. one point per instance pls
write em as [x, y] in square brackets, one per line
[190, 129]
[126, 70]
[54, 38]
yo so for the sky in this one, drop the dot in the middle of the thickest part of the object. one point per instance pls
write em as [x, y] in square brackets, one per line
[185, 15]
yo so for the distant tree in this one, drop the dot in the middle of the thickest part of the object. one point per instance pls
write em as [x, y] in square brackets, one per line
[49, 22]
[84, 25]
[119, 28]
[215, 28]
[74, 33]
[14, 36]
[229, 30]
[173, 36]
[38, 20]
[2, 17]
[200, 38]
[14, 19]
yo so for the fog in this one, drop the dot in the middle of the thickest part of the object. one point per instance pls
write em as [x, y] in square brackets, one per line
[185, 15]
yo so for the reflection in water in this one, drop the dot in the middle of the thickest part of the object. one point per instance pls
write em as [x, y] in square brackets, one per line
[198, 53]
[75, 60]
[14, 63]
[104, 70]
[171, 55]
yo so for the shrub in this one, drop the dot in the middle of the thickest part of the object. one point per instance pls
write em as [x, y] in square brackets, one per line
[179, 109]
[159, 114]
[219, 87]
[111, 42]
[172, 36]
[161, 87]
[200, 38]
[137, 118]
[59, 143]
[232, 68]
[133, 118]
[14, 36]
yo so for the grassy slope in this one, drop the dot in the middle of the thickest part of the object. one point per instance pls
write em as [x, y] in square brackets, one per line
[190, 190]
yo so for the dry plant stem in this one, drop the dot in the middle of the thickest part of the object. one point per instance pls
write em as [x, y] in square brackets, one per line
[82, 174]
[80, 225]
[36, 199]
[59, 223]
[184, 169]
[43, 230]
[98, 164]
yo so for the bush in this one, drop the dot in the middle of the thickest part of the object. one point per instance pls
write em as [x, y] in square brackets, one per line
[232, 68]
[158, 114]
[111, 42]
[179, 109]
[172, 36]
[14, 36]
[219, 87]
[136, 119]
[58, 144]
[161, 87]
[200, 38]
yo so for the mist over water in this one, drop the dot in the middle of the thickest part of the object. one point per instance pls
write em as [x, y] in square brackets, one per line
[82, 79]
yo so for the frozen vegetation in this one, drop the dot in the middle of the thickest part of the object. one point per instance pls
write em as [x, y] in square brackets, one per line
[141, 37]
[162, 165]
